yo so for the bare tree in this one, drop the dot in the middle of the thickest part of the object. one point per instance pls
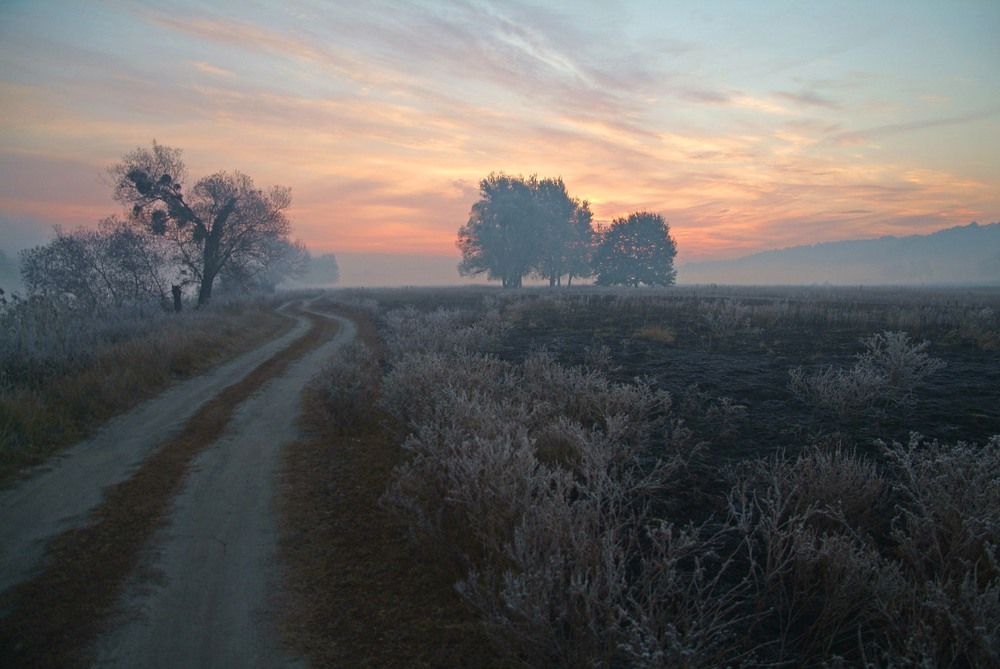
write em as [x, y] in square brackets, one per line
[276, 260]
[117, 263]
[223, 222]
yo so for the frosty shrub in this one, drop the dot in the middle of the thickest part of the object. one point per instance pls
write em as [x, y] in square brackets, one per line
[903, 364]
[340, 395]
[893, 568]
[729, 319]
[443, 330]
[548, 489]
[416, 381]
[719, 416]
[537, 482]
[946, 532]
[816, 575]
[44, 338]
[884, 377]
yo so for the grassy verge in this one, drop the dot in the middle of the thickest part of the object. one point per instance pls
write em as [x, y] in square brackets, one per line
[39, 418]
[52, 619]
[359, 595]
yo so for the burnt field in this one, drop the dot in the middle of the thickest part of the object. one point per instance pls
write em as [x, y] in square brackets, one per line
[701, 476]
[706, 345]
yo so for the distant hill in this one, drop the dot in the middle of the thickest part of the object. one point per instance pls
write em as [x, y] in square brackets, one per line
[967, 254]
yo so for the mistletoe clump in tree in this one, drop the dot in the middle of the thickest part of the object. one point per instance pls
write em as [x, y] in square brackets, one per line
[635, 250]
[222, 226]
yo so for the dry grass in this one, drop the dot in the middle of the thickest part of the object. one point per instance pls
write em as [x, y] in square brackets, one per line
[657, 333]
[359, 595]
[39, 418]
[551, 486]
[52, 619]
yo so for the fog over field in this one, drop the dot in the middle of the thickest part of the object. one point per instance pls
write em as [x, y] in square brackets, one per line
[747, 126]
[967, 255]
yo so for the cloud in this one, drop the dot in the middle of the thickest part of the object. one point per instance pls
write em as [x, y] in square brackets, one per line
[208, 68]
[734, 99]
[704, 96]
[808, 99]
[871, 134]
[382, 116]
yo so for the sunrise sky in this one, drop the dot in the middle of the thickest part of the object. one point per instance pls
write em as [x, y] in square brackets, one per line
[748, 125]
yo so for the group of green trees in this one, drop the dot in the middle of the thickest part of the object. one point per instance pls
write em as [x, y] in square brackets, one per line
[530, 227]
[221, 229]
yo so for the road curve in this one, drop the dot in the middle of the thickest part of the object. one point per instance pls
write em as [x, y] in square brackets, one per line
[206, 596]
[203, 596]
[60, 494]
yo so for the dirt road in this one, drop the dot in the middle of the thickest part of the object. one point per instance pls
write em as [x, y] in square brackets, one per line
[202, 598]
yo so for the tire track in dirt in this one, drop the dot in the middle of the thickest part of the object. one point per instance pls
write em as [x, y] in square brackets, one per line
[208, 607]
[59, 495]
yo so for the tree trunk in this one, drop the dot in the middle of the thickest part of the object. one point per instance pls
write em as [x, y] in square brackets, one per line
[205, 291]
[175, 290]
[212, 260]
[209, 271]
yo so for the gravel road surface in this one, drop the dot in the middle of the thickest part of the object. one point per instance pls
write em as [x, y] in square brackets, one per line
[204, 596]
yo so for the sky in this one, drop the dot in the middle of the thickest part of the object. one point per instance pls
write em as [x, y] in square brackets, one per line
[748, 125]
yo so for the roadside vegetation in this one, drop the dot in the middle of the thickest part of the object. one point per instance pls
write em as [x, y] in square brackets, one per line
[93, 334]
[53, 618]
[63, 371]
[356, 594]
[673, 477]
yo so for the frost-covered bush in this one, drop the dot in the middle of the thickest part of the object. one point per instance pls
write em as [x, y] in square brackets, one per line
[443, 330]
[893, 566]
[814, 574]
[729, 319]
[416, 381]
[903, 364]
[548, 490]
[946, 533]
[43, 338]
[884, 377]
[341, 394]
[538, 483]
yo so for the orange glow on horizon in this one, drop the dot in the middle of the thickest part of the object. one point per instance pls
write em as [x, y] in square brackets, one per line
[383, 128]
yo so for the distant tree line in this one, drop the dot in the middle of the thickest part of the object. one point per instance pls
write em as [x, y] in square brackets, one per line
[222, 229]
[530, 227]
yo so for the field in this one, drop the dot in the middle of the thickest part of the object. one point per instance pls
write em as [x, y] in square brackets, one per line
[699, 476]
[64, 371]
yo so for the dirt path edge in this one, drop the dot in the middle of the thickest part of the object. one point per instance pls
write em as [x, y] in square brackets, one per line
[53, 618]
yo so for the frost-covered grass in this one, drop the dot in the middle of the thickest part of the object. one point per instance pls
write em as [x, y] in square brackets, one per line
[727, 317]
[64, 370]
[885, 377]
[560, 499]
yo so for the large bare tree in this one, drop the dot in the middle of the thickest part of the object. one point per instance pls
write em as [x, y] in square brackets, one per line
[222, 222]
